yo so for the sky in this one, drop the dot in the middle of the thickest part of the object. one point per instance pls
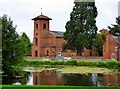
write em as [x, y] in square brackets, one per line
[22, 11]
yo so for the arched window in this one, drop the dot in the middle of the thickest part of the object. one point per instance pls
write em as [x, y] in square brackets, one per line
[36, 53]
[44, 26]
[36, 41]
[36, 33]
[47, 53]
[36, 26]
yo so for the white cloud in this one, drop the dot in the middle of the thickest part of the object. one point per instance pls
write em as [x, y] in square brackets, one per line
[107, 12]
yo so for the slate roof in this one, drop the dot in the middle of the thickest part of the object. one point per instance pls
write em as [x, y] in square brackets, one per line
[57, 33]
[42, 17]
[117, 39]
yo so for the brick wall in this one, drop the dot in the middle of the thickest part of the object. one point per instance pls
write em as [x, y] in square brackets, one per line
[110, 48]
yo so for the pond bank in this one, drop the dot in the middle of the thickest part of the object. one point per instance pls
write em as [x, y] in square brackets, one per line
[101, 64]
[70, 69]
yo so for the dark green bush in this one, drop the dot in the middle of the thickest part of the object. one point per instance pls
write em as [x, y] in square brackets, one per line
[23, 62]
[83, 63]
[57, 63]
[60, 62]
[54, 63]
[101, 64]
[47, 62]
[110, 64]
[71, 62]
[93, 63]
[80, 63]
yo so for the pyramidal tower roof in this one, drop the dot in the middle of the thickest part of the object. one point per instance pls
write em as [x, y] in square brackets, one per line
[42, 17]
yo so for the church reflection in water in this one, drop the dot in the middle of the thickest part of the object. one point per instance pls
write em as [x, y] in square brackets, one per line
[111, 79]
[52, 77]
[47, 77]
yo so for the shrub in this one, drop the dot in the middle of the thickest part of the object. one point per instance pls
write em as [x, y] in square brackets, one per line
[57, 62]
[23, 62]
[101, 64]
[54, 63]
[80, 63]
[93, 63]
[83, 63]
[112, 64]
[71, 62]
[60, 62]
[47, 62]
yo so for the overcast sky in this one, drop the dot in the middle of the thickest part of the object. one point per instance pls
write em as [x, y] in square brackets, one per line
[22, 11]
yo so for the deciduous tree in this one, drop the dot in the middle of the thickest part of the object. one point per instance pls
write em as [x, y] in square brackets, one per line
[100, 40]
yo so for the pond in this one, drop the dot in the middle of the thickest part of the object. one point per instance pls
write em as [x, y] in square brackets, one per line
[53, 77]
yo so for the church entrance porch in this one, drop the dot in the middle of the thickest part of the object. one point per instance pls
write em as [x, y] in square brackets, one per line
[50, 51]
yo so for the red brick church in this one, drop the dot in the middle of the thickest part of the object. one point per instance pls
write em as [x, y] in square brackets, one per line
[49, 43]
[46, 42]
[111, 47]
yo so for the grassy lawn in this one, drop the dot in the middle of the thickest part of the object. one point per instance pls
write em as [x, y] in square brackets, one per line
[84, 70]
[54, 87]
[71, 69]
[71, 66]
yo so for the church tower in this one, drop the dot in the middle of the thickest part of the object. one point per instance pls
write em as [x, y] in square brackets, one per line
[41, 27]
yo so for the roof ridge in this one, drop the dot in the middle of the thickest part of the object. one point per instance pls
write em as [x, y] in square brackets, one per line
[41, 17]
[57, 33]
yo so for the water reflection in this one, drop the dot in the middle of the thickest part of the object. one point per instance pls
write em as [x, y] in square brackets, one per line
[17, 81]
[48, 77]
[78, 79]
[52, 77]
[111, 79]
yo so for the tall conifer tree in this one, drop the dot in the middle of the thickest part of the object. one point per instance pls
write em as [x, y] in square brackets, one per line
[115, 29]
[81, 29]
[11, 47]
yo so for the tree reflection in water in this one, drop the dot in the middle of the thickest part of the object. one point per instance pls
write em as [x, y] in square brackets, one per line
[47, 77]
[52, 77]
[20, 81]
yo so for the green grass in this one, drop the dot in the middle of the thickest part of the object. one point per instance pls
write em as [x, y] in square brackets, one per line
[71, 69]
[84, 70]
[54, 87]
[102, 64]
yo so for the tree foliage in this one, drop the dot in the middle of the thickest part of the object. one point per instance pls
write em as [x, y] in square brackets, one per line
[27, 44]
[0, 34]
[0, 39]
[81, 30]
[100, 40]
[115, 29]
[11, 47]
